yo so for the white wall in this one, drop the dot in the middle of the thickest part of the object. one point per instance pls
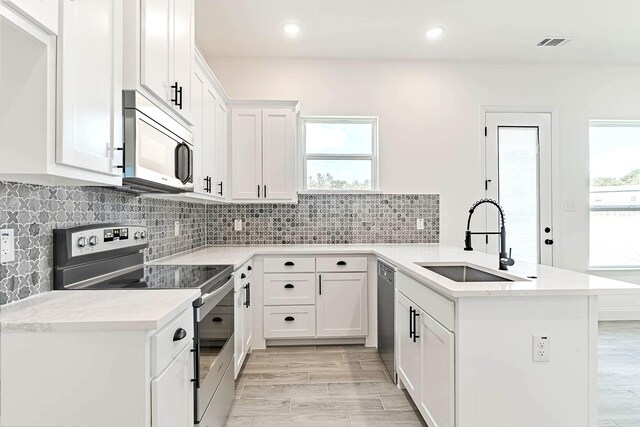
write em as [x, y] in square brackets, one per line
[430, 121]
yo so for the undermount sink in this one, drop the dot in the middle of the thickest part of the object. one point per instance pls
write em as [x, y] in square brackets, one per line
[464, 273]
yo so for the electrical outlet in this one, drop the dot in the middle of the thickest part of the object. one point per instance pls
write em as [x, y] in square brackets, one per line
[176, 229]
[420, 224]
[7, 245]
[237, 225]
[541, 348]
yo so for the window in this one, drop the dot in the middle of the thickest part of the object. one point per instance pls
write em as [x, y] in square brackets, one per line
[614, 163]
[340, 153]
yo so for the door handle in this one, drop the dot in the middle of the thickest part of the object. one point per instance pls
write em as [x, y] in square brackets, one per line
[265, 191]
[247, 295]
[410, 321]
[415, 316]
[175, 87]
[548, 242]
[289, 319]
[258, 191]
[288, 286]
[320, 284]
[220, 192]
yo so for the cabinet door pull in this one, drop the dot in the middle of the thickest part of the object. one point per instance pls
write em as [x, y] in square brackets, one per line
[265, 191]
[242, 276]
[217, 319]
[289, 263]
[247, 295]
[220, 185]
[258, 191]
[175, 88]
[180, 334]
[289, 319]
[249, 268]
[415, 316]
[410, 321]
[179, 96]
[341, 263]
[288, 286]
[320, 284]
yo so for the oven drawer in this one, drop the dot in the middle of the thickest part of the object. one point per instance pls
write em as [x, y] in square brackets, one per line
[171, 340]
[219, 326]
[289, 289]
[341, 263]
[289, 265]
[289, 321]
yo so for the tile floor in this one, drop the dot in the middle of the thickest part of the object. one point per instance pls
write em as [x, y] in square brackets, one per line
[619, 374]
[319, 386]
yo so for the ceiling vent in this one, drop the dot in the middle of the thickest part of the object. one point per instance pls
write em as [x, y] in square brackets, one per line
[555, 41]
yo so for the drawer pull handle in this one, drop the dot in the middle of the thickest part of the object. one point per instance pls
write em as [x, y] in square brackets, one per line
[249, 268]
[289, 319]
[217, 319]
[288, 286]
[180, 334]
[289, 263]
[243, 276]
[341, 263]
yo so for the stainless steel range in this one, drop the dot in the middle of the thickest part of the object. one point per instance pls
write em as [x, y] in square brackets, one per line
[110, 256]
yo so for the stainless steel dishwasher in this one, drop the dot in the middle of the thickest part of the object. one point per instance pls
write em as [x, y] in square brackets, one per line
[386, 317]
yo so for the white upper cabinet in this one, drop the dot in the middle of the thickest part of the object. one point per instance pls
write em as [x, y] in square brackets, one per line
[246, 153]
[278, 154]
[64, 95]
[90, 84]
[220, 182]
[159, 40]
[210, 105]
[197, 90]
[263, 157]
[43, 12]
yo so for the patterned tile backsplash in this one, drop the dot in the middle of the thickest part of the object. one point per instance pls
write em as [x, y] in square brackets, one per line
[34, 211]
[329, 218]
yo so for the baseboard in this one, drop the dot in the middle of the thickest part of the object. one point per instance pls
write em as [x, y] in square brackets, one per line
[314, 341]
[613, 315]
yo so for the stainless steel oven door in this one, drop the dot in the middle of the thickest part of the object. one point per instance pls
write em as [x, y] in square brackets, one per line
[214, 344]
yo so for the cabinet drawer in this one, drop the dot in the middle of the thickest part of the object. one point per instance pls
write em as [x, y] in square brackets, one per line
[289, 289]
[345, 263]
[163, 346]
[289, 265]
[289, 321]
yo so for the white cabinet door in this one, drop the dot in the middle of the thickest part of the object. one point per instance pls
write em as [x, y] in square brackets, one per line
[182, 49]
[172, 393]
[220, 185]
[407, 347]
[197, 101]
[209, 129]
[238, 328]
[247, 321]
[341, 305]
[43, 12]
[90, 84]
[279, 154]
[437, 380]
[246, 153]
[156, 36]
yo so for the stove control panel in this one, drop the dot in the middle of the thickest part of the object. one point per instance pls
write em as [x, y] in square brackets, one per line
[88, 240]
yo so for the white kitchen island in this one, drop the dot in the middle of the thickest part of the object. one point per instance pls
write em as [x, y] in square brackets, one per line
[471, 363]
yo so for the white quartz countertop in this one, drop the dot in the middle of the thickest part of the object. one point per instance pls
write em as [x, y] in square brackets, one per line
[547, 281]
[144, 309]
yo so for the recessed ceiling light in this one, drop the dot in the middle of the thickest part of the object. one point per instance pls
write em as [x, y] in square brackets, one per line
[291, 28]
[435, 32]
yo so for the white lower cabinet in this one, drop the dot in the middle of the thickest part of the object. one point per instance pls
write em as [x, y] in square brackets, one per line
[172, 393]
[243, 316]
[425, 357]
[341, 305]
[408, 348]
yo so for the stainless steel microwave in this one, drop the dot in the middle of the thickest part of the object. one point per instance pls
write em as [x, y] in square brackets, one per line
[158, 150]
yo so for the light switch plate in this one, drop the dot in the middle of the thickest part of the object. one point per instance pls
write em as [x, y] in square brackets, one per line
[237, 225]
[177, 228]
[7, 245]
[420, 224]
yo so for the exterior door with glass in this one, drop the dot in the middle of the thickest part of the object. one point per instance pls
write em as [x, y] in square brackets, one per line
[518, 175]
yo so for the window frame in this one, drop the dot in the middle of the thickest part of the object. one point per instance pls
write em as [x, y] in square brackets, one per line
[372, 120]
[609, 124]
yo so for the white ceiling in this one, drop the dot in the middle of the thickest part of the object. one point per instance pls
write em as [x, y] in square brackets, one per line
[606, 31]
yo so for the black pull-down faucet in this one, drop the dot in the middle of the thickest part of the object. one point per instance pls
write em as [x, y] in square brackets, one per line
[505, 259]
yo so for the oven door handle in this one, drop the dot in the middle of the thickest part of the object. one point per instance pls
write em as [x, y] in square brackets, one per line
[207, 297]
